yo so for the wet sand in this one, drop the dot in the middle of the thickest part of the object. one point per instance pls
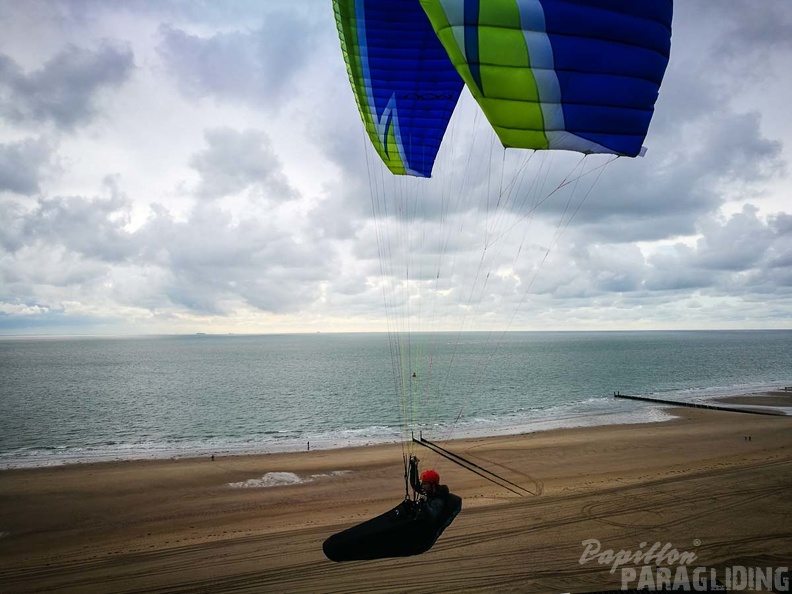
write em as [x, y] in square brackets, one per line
[775, 398]
[695, 483]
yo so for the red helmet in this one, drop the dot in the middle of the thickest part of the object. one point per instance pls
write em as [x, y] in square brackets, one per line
[430, 476]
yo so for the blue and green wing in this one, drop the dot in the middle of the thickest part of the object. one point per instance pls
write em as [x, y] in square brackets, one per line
[580, 75]
[404, 84]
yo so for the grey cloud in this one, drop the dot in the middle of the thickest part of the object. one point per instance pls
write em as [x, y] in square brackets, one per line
[737, 245]
[756, 31]
[236, 161]
[12, 231]
[23, 163]
[731, 256]
[252, 261]
[780, 254]
[64, 90]
[664, 195]
[781, 223]
[90, 227]
[720, 46]
[735, 150]
[618, 268]
[672, 272]
[338, 215]
[742, 256]
[252, 66]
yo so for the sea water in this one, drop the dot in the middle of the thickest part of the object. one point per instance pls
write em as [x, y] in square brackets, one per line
[88, 399]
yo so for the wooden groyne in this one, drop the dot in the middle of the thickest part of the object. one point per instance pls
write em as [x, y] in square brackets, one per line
[697, 405]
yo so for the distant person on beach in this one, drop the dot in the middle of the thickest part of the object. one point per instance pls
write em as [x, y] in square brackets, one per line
[435, 493]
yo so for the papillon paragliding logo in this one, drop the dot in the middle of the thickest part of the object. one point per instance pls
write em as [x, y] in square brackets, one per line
[662, 567]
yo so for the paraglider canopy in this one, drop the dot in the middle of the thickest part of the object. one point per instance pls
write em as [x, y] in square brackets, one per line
[577, 75]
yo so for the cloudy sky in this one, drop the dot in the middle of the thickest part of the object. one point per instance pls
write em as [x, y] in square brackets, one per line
[197, 166]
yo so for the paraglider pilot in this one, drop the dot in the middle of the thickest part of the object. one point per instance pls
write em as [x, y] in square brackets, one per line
[435, 494]
[410, 528]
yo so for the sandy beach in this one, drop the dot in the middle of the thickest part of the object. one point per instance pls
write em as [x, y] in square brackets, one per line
[696, 483]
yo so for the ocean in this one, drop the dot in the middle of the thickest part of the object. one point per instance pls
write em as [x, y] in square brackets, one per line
[83, 399]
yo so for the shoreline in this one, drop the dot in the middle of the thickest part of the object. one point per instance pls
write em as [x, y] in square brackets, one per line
[597, 414]
[177, 525]
[774, 399]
